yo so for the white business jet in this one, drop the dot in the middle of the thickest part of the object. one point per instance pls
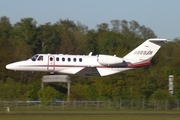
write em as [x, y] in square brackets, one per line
[90, 65]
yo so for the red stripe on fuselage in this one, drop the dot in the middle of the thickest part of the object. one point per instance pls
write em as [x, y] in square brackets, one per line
[129, 65]
[139, 64]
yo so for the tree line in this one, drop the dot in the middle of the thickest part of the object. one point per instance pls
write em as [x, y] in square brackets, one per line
[25, 38]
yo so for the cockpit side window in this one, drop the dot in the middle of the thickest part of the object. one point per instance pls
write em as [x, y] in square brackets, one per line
[33, 58]
[40, 58]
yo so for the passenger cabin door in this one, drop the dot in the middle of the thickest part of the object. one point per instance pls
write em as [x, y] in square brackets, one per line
[51, 63]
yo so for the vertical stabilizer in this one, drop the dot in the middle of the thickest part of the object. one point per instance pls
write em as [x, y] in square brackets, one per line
[145, 51]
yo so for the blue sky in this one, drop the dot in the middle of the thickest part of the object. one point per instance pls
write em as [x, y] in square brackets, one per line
[162, 16]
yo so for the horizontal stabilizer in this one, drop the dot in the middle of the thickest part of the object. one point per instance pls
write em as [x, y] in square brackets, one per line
[157, 40]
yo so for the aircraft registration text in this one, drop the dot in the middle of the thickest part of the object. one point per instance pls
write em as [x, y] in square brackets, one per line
[142, 52]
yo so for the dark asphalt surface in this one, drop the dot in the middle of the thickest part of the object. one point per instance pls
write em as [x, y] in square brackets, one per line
[90, 114]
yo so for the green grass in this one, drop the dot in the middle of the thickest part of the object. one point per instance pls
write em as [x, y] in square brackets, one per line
[90, 115]
[88, 118]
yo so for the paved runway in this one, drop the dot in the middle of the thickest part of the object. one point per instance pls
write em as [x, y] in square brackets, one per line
[91, 114]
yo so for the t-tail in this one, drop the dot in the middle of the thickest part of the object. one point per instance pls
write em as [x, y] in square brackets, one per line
[142, 55]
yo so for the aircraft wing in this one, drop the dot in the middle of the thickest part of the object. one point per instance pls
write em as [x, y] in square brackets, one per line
[88, 72]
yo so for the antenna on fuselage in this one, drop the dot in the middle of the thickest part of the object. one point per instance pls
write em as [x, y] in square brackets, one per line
[90, 54]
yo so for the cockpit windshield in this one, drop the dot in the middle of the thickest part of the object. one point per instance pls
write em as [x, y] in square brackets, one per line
[33, 58]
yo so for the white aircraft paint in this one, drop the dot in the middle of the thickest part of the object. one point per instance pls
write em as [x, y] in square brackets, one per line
[90, 65]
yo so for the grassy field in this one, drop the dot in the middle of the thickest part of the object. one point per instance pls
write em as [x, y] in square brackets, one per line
[91, 115]
[89, 118]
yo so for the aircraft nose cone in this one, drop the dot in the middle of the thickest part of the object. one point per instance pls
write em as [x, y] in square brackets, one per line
[8, 66]
[14, 66]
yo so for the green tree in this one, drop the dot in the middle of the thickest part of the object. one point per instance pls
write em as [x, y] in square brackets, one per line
[103, 27]
[32, 90]
[11, 90]
[81, 39]
[7, 49]
[79, 92]
[146, 33]
[115, 25]
[160, 95]
[67, 30]
[23, 39]
[92, 42]
[47, 95]
[48, 35]
[25, 35]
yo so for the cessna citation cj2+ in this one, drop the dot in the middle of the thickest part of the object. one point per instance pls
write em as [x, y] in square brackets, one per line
[90, 65]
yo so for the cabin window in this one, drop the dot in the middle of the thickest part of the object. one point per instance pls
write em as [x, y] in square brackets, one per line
[63, 59]
[51, 59]
[74, 59]
[80, 59]
[40, 58]
[69, 59]
[57, 59]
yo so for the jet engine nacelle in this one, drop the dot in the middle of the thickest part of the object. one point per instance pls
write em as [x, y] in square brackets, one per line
[109, 60]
